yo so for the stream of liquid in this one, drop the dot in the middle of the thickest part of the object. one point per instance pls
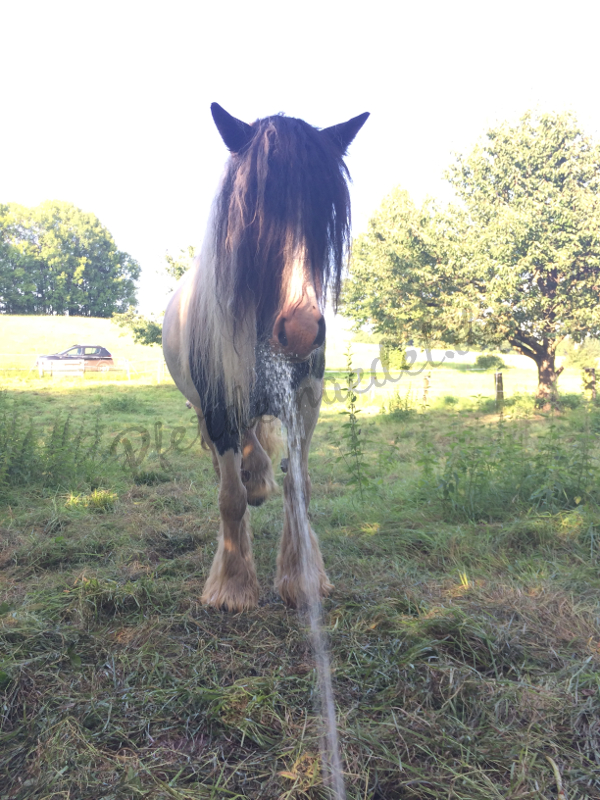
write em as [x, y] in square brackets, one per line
[312, 609]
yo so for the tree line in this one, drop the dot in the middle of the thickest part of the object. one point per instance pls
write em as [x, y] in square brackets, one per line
[514, 262]
[57, 259]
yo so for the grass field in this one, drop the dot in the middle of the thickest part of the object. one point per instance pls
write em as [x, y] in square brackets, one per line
[23, 338]
[34, 335]
[464, 625]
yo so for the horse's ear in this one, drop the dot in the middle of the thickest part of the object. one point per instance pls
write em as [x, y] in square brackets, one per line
[344, 133]
[235, 133]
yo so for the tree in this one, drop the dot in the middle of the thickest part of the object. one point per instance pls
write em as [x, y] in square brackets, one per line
[396, 283]
[519, 259]
[56, 259]
[177, 266]
[145, 330]
[148, 330]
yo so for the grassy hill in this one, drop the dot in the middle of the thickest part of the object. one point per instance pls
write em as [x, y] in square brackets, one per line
[35, 335]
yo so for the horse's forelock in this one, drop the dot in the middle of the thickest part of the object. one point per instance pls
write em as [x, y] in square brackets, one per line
[285, 193]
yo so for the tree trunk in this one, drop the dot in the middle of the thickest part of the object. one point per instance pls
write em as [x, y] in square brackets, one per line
[544, 355]
[547, 392]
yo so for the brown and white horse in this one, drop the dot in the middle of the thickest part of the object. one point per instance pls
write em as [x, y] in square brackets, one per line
[276, 243]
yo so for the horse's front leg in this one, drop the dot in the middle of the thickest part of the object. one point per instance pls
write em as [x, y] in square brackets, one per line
[300, 572]
[232, 580]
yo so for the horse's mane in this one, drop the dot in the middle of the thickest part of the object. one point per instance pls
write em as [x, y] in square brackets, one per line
[283, 196]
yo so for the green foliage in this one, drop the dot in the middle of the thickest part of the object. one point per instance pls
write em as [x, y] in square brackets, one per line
[581, 354]
[123, 403]
[150, 477]
[395, 282]
[148, 330]
[56, 259]
[392, 355]
[518, 261]
[401, 405]
[64, 456]
[177, 266]
[145, 330]
[497, 472]
[489, 362]
[99, 500]
[532, 231]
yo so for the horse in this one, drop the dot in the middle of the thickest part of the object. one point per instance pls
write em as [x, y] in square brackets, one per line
[275, 248]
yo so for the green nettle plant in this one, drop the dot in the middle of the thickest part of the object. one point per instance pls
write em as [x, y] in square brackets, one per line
[401, 406]
[65, 456]
[489, 473]
[353, 441]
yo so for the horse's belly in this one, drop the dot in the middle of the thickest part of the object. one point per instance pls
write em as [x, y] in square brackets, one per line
[175, 347]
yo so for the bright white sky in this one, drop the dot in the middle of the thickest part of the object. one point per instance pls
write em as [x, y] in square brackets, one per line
[107, 104]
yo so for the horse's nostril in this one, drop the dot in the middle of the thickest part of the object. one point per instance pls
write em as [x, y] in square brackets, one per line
[321, 334]
[282, 337]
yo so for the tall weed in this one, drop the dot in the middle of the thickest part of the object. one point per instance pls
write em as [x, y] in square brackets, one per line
[401, 406]
[352, 444]
[65, 456]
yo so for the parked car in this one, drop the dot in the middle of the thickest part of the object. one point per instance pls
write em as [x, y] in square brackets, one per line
[93, 358]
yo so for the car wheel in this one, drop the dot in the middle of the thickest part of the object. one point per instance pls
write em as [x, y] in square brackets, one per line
[103, 367]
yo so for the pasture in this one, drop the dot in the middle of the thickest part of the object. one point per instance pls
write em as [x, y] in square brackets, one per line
[464, 625]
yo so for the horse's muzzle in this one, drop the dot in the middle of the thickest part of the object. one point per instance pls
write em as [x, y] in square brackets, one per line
[299, 332]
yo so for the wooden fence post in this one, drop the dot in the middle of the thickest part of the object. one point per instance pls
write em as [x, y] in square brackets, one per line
[499, 391]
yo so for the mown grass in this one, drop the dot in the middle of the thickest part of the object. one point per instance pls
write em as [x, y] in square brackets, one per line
[464, 625]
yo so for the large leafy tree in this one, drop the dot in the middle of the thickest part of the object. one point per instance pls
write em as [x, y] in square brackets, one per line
[519, 258]
[56, 259]
[399, 278]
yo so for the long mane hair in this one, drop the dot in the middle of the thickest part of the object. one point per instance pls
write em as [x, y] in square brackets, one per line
[283, 197]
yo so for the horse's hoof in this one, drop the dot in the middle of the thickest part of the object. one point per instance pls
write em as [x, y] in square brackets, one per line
[256, 501]
[232, 582]
[294, 595]
[258, 489]
[231, 599]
